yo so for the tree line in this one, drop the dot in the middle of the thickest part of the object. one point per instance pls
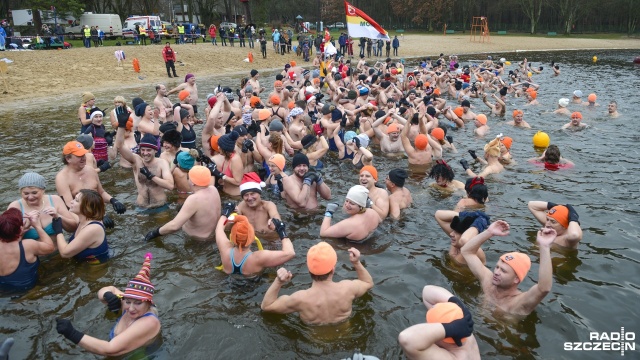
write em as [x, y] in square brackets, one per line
[530, 16]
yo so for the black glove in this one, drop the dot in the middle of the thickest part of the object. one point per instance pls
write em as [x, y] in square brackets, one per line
[465, 164]
[213, 168]
[247, 146]
[118, 206]
[356, 140]
[550, 205]
[204, 159]
[113, 302]
[147, 173]
[56, 224]
[449, 139]
[343, 122]
[228, 207]
[279, 182]
[108, 137]
[108, 222]
[460, 328]
[104, 165]
[473, 155]
[152, 234]
[319, 179]
[123, 116]
[281, 228]
[573, 214]
[65, 328]
[309, 178]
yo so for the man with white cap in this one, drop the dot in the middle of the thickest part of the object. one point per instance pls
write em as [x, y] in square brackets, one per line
[562, 107]
[577, 97]
[362, 221]
[325, 302]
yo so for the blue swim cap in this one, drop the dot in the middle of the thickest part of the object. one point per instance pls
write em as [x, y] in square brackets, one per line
[364, 90]
[185, 160]
[465, 85]
[349, 135]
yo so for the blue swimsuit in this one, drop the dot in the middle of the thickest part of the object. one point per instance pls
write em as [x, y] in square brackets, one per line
[32, 233]
[237, 268]
[93, 255]
[112, 333]
[25, 275]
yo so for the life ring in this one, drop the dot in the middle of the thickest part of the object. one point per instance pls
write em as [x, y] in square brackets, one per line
[637, 60]
[250, 57]
[136, 65]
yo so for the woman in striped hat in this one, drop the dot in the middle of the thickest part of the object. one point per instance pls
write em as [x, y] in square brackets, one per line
[138, 325]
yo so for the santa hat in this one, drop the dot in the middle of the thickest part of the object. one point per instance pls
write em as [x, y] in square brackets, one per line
[141, 287]
[251, 182]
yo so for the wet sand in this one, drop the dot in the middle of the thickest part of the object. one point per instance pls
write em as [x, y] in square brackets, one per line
[70, 72]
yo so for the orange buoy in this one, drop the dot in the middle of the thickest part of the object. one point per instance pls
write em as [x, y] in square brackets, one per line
[250, 57]
[136, 65]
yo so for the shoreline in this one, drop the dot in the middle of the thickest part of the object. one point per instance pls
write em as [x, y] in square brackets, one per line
[69, 73]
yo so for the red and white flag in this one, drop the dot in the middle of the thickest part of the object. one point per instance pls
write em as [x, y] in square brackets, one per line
[360, 24]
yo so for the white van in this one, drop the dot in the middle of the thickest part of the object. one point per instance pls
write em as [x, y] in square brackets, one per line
[129, 26]
[109, 23]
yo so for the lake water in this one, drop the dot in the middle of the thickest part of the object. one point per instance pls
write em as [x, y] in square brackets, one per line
[205, 316]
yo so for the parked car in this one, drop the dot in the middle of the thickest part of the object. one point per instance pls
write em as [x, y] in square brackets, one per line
[337, 25]
[227, 25]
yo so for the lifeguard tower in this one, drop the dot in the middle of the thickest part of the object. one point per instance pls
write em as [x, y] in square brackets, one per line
[480, 29]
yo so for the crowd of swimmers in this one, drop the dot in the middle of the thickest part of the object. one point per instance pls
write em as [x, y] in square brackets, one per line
[277, 138]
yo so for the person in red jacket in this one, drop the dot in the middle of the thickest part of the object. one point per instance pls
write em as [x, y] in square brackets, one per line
[212, 33]
[169, 59]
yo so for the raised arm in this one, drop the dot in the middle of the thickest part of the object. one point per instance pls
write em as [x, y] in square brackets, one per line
[537, 292]
[470, 250]
[364, 282]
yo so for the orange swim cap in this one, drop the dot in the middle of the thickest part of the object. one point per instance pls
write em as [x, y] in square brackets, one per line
[242, 232]
[213, 141]
[445, 313]
[321, 259]
[482, 119]
[291, 105]
[592, 98]
[278, 160]
[277, 83]
[507, 141]
[200, 176]
[275, 99]
[422, 141]
[517, 112]
[533, 94]
[292, 63]
[437, 92]
[576, 115]
[371, 171]
[254, 101]
[561, 214]
[437, 133]
[263, 114]
[519, 262]
[393, 128]
[183, 94]
[458, 111]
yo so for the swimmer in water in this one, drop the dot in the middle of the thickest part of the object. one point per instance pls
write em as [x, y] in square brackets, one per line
[400, 197]
[575, 123]
[491, 155]
[379, 197]
[562, 107]
[552, 160]
[325, 302]
[461, 227]
[448, 332]
[518, 120]
[362, 220]
[477, 195]
[563, 219]
[260, 212]
[500, 286]
[138, 325]
[612, 109]
[443, 175]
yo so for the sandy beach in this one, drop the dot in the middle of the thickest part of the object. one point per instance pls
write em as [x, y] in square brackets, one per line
[43, 72]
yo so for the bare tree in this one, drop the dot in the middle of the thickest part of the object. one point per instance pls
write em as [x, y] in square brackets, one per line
[532, 9]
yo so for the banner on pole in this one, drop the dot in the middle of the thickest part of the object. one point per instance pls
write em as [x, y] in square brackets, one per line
[360, 24]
